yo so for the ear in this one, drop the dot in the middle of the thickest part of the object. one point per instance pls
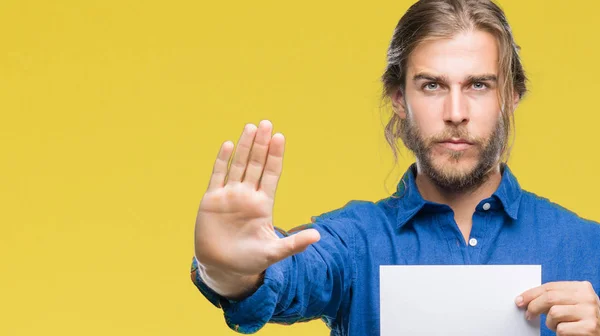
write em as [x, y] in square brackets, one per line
[398, 103]
[516, 100]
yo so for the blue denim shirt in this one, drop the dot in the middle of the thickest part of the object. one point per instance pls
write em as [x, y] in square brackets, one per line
[337, 278]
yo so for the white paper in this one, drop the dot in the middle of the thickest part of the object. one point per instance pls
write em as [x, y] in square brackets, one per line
[456, 300]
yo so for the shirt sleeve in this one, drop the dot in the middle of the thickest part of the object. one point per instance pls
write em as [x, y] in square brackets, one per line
[309, 285]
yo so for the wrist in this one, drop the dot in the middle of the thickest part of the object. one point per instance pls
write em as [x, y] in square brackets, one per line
[229, 285]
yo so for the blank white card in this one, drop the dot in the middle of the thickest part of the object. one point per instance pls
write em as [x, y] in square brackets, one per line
[456, 300]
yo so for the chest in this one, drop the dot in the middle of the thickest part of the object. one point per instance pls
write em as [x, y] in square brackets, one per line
[493, 240]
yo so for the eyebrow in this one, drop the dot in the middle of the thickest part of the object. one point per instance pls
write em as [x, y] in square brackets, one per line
[482, 78]
[429, 77]
[444, 79]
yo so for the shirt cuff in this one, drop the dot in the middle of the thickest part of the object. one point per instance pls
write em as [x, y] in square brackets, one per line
[252, 313]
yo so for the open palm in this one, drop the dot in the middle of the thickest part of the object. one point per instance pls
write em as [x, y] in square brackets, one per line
[234, 227]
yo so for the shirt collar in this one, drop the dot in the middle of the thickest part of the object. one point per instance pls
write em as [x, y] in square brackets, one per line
[410, 201]
[509, 192]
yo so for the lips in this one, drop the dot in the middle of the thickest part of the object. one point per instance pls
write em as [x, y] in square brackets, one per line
[457, 141]
[456, 144]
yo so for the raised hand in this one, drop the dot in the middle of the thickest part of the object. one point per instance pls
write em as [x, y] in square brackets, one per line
[234, 236]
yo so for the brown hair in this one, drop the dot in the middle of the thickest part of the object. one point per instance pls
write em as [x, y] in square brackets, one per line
[436, 19]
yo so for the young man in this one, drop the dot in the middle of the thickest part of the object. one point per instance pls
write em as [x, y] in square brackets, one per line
[454, 79]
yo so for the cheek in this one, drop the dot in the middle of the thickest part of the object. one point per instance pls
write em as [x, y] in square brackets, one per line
[427, 114]
[485, 112]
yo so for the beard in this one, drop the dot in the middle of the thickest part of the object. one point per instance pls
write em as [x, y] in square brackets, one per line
[448, 176]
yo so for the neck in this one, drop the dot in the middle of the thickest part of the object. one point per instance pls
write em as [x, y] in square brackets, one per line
[462, 203]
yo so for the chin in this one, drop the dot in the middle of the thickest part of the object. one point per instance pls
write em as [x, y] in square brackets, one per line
[451, 167]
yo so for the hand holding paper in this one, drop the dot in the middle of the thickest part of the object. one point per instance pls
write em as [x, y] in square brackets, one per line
[572, 307]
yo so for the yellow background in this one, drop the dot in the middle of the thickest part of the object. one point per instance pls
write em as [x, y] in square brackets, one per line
[112, 113]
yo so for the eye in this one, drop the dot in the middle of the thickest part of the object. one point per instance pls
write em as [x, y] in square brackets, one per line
[432, 86]
[479, 86]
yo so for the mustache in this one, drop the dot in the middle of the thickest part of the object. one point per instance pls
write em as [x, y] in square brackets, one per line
[456, 133]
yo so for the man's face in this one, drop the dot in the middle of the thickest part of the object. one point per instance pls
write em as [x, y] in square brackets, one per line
[453, 120]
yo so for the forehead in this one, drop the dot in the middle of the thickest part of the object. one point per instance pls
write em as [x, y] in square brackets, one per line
[467, 53]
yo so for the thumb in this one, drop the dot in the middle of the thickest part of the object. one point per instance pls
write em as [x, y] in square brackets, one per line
[296, 243]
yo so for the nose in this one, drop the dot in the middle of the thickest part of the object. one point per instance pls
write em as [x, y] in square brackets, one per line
[456, 110]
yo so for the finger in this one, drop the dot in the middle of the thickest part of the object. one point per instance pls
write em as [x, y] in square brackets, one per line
[526, 297]
[274, 165]
[294, 244]
[240, 158]
[579, 328]
[560, 314]
[217, 178]
[548, 299]
[258, 155]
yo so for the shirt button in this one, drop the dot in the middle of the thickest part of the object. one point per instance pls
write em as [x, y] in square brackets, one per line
[473, 242]
[486, 206]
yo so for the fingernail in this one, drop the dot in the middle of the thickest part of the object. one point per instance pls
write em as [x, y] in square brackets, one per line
[519, 300]
[528, 316]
